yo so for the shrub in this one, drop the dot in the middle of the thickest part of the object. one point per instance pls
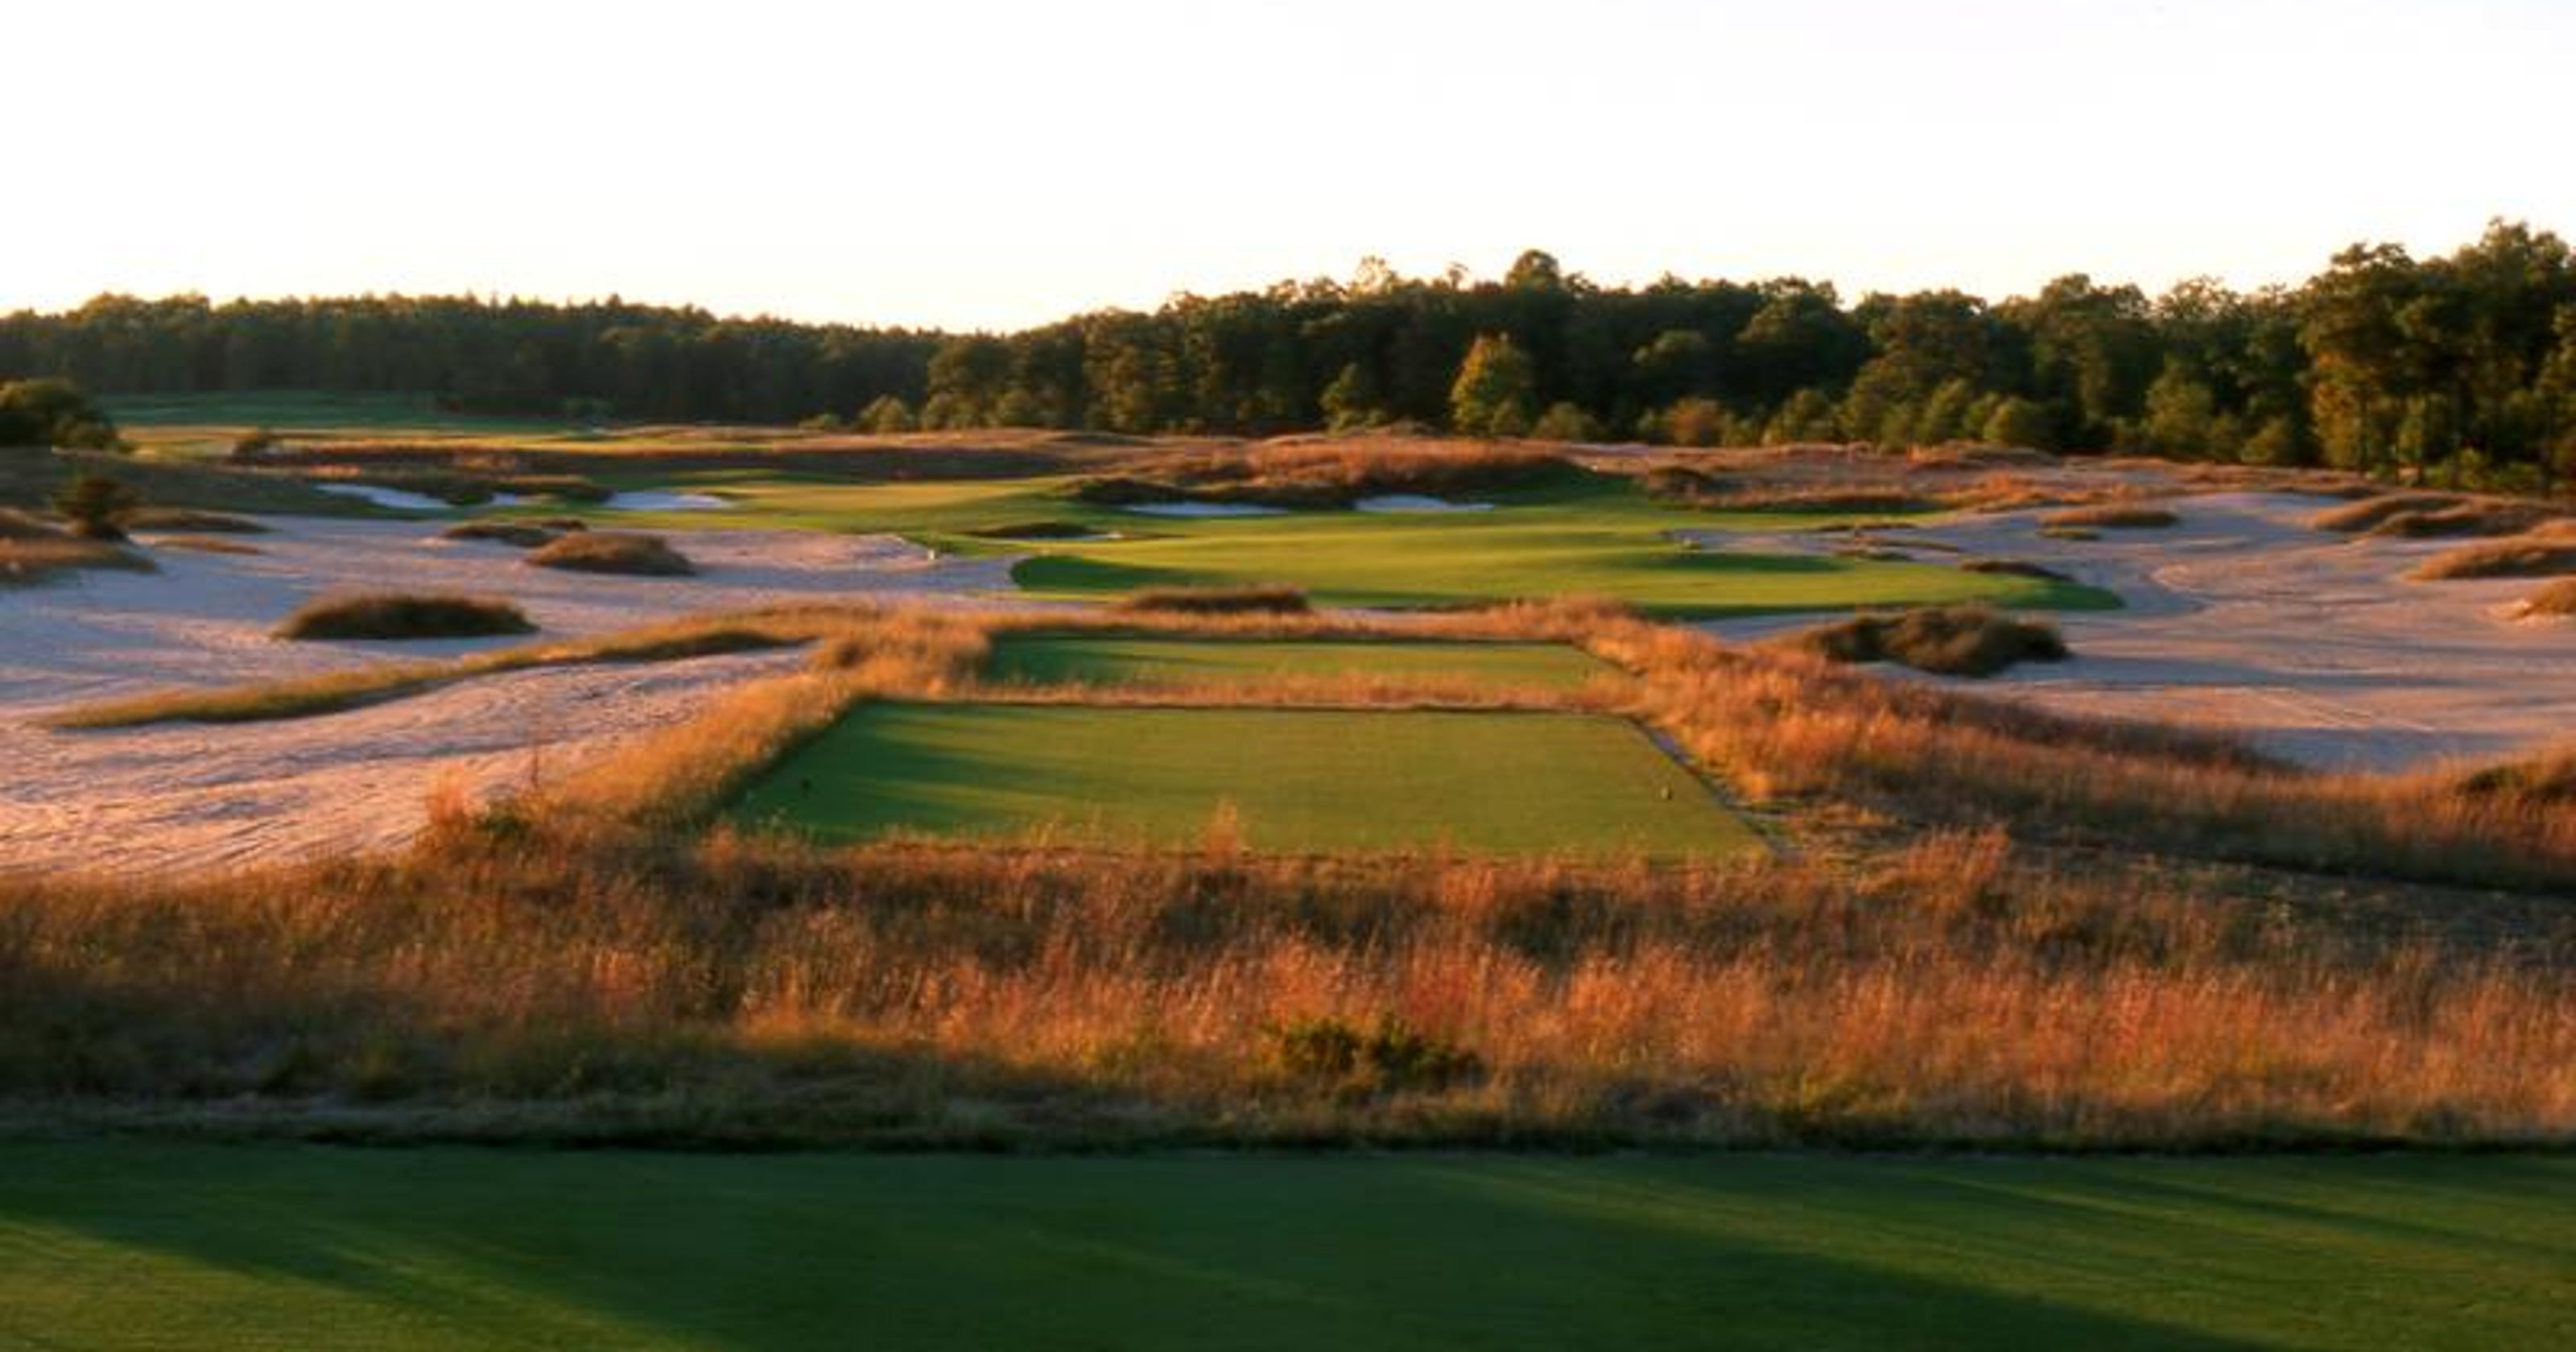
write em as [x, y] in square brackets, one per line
[53, 413]
[2113, 516]
[609, 551]
[2502, 558]
[404, 615]
[524, 535]
[1272, 600]
[1946, 640]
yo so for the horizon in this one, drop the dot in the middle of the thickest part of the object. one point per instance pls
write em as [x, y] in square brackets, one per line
[841, 169]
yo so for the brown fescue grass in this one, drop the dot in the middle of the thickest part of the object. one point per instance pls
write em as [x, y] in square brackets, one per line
[206, 544]
[609, 551]
[405, 615]
[2418, 516]
[517, 534]
[504, 984]
[2558, 598]
[2535, 556]
[2366, 514]
[33, 550]
[190, 520]
[2112, 516]
[1945, 640]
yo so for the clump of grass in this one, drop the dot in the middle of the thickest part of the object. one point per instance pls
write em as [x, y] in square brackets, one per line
[206, 544]
[560, 487]
[2112, 516]
[1358, 1060]
[520, 534]
[191, 520]
[2529, 557]
[405, 615]
[2367, 513]
[33, 550]
[2075, 533]
[2469, 518]
[2548, 780]
[2014, 568]
[1269, 600]
[1947, 640]
[607, 551]
[2558, 598]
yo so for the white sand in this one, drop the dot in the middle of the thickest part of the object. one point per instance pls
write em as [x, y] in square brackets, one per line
[183, 796]
[2313, 645]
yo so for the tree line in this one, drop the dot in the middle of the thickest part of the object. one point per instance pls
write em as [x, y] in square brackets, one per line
[2463, 364]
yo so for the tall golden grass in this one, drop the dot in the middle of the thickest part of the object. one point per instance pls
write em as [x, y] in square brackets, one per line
[613, 986]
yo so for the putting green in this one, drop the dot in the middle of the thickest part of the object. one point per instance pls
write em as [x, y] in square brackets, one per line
[1041, 659]
[1296, 781]
[116, 1245]
[1588, 534]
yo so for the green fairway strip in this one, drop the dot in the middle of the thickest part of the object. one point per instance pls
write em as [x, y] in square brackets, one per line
[1151, 663]
[1597, 535]
[114, 1246]
[1297, 781]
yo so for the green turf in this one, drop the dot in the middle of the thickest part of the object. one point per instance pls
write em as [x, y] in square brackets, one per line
[1298, 781]
[112, 1246]
[1594, 535]
[1149, 662]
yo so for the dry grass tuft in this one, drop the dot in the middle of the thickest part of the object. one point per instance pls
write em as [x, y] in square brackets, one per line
[1269, 600]
[2367, 513]
[2527, 557]
[2112, 516]
[405, 615]
[33, 550]
[190, 520]
[1947, 640]
[606, 551]
[2558, 598]
[205, 544]
[518, 534]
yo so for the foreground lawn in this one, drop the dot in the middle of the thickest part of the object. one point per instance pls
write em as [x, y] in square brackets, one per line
[1598, 536]
[108, 1246]
[1092, 660]
[1297, 780]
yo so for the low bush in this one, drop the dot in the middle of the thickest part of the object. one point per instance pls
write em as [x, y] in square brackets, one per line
[1357, 1061]
[609, 551]
[1217, 601]
[1946, 640]
[2112, 516]
[2528, 557]
[404, 615]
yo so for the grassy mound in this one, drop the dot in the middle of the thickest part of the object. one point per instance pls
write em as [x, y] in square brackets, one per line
[2549, 779]
[2112, 516]
[404, 615]
[2014, 568]
[191, 520]
[2368, 513]
[609, 551]
[33, 549]
[1216, 601]
[1946, 640]
[2528, 557]
[523, 535]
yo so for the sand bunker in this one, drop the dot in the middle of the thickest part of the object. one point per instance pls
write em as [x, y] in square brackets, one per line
[184, 796]
[2316, 647]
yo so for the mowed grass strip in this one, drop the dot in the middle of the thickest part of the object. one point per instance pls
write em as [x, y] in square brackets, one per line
[1291, 781]
[1048, 659]
[139, 1245]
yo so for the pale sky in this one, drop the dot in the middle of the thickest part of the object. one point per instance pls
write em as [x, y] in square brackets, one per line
[1006, 162]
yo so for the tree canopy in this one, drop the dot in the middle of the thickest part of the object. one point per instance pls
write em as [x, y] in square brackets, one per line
[2382, 362]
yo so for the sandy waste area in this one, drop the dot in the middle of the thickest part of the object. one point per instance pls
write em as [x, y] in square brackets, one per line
[188, 797]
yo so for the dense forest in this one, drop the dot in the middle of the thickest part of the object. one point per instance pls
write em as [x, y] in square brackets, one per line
[2462, 365]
